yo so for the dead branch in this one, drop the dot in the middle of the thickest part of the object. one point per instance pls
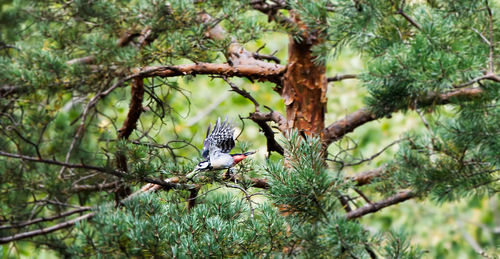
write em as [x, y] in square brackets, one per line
[242, 92]
[44, 231]
[363, 160]
[341, 77]
[44, 219]
[272, 144]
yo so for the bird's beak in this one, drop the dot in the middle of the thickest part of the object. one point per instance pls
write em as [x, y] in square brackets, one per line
[249, 153]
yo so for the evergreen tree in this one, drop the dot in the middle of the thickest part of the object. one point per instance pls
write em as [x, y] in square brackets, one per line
[95, 143]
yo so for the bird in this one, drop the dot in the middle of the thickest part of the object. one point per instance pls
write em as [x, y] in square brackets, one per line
[216, 147]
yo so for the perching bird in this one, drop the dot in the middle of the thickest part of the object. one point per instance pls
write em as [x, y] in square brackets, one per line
[216, 148]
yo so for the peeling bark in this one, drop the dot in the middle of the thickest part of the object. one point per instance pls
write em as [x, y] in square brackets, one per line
[304, 86]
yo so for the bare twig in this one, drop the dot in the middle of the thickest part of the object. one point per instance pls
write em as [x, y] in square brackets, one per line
[341, 77]
[166, 184]
[406, 16]
[94, 187]
[272, 144]
[266, 57]
[242, 92]
[362, 195]
[247, 197]
[44, 219]
[472, 242]
[47, 230]
[374, 155]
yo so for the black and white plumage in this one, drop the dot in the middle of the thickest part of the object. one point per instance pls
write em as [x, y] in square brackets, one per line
[219, 141]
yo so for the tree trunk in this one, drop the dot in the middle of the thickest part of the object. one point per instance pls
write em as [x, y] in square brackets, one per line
[304, 87]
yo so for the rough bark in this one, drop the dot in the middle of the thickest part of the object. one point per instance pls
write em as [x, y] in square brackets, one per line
[304, 86]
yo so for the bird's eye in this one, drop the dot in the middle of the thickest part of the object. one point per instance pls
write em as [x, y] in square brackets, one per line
[203, 164]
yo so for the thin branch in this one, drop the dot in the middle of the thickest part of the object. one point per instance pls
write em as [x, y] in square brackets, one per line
[341, 77]
[266, 57]
[482, 36]
[488, 76]
[242, 92]
[472, 242]
[408, 18]
[374, 155]
[44, 231]
[166, 184]
[376, 206]
[44, 219]
[272, 144]
[247, 197]
[362, 195]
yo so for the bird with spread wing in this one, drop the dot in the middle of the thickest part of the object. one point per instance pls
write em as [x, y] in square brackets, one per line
[216, 147]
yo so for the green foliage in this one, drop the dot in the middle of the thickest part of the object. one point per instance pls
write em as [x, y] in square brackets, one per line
[458, 158]
[303, 186]
[154, 226]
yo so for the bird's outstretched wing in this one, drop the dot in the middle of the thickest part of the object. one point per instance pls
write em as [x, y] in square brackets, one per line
[220, 139]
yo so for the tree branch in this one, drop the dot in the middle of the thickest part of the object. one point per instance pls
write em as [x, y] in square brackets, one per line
[341, 77]
[376, 206]
[135, 109]
[167, 185]
[272, 144]
[272, 73]
[348, 124]
[270, 116]
[44, 231]
[44, 219]
[341, 127]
